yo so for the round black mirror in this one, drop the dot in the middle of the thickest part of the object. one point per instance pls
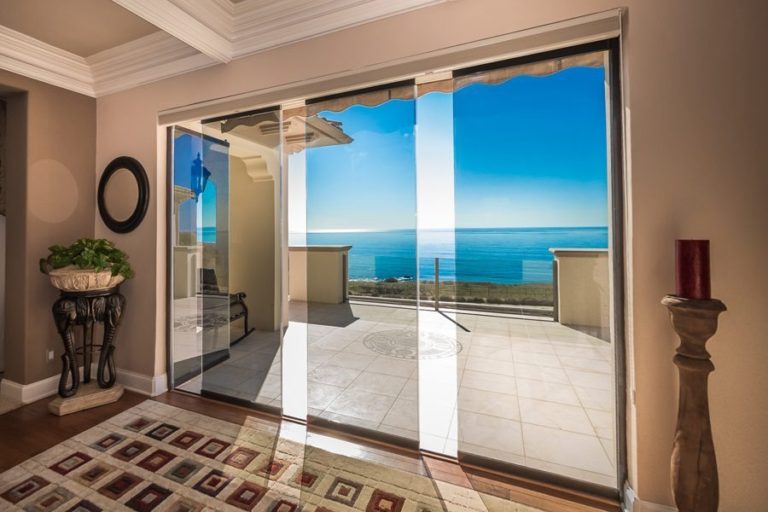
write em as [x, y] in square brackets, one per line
[123, 194]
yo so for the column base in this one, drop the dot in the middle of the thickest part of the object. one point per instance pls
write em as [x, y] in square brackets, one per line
[88, 396]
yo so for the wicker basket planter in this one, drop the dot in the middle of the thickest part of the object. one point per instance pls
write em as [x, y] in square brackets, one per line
[73, 279]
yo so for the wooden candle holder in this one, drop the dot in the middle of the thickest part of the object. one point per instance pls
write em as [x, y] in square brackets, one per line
[694, 467]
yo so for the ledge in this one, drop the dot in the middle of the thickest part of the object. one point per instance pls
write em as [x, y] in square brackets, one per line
[319, 248]
[577, 252]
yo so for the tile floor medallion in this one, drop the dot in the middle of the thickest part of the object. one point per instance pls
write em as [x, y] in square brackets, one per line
[118, 466]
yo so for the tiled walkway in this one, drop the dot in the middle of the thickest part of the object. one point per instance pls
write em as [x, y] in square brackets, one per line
[530, 392]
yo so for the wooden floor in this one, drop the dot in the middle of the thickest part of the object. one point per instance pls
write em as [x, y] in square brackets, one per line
[30, 430]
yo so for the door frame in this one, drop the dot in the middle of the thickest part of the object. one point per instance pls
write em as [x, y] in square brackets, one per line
[615, 128]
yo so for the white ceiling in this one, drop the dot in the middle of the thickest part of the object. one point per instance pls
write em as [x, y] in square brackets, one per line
[93, 46]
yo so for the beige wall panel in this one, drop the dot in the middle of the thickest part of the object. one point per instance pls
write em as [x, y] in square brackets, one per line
[51, 200]
[252, 244]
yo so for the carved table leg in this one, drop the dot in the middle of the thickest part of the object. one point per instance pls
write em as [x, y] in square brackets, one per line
[113, 311]
[64, 314]
[85, 316]
[694, 467]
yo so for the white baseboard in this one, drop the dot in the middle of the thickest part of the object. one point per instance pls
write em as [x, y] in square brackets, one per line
[11, 390]
[634, 504]
[34, 391]
[143, 384]
[647, 506]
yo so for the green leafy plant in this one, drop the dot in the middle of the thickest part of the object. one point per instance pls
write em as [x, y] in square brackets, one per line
[88, 253]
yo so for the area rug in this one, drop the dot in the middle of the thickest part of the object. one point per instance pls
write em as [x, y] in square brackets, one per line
[156, 457]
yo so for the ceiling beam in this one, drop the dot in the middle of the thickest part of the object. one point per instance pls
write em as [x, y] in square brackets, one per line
[30, 57]
[177, 22]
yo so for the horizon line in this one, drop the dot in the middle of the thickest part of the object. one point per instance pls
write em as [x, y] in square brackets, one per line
[366, 230]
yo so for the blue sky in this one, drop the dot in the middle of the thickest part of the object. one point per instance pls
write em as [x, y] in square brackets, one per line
[529, 152]
[185, 150]
[370, 183]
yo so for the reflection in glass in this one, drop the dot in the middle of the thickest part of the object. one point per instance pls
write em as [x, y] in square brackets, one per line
[249, 166]
[440, 336]
[226, 280]
[532, 231]
[200, 268]
[353, 260]
[429, 262]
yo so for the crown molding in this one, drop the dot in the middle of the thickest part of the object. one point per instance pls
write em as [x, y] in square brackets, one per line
[32, 58]
[151, 58]
[218, 15]
[260, 26]
[181, 24]
[193, 35]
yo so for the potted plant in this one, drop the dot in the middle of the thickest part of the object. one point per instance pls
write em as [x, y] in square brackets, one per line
[86, 265]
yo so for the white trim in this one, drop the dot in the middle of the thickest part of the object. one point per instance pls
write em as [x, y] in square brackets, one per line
[181, 24]
[194, 35]
[143, 384]
[579, 30]
[151, 58]
[11, 390]
[647, 506]
[634, 504]
[259, 26]
[216, 14]
[34, 391]
[30, 57]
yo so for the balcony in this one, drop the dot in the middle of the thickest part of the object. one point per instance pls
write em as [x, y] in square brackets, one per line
[526, 390]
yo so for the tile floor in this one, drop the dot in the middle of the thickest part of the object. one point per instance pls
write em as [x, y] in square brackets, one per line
[525, 391]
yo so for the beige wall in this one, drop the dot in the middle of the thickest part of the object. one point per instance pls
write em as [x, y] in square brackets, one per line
[696, 109]
[252, 244]
[583, 289]
[2, 235]
[51, 198]
[2, 157]
[317, 274]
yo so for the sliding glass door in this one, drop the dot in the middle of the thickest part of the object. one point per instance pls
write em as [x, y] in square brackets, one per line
[429, 263]
[226, 305]
[352, 266]
[532, 204]
[199, 244]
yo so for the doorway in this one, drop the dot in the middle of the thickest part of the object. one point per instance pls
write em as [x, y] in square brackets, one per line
[441, 259]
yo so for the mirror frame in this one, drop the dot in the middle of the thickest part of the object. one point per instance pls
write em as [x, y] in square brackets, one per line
[142, 201]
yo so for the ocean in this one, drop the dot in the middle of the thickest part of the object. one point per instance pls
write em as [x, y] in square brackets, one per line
[491, 255]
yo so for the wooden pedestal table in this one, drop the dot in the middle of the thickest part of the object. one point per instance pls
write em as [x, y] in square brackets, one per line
[694, 467]
[85, 309]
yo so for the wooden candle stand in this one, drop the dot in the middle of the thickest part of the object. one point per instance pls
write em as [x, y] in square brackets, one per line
[694, 467]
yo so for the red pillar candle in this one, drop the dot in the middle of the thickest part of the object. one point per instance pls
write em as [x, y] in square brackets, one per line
[692, 269]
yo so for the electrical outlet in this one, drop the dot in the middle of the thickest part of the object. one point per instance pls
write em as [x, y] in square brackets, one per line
[51, 355]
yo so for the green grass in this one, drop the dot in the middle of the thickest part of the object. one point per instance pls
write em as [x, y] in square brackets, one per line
[478, 293]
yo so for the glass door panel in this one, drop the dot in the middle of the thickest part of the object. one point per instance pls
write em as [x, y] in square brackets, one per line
[357, 256]
[200, 261]
[441, 337]
[243, 258]
[532, 267]
[426, 263]
[186, 259]
[295, 311]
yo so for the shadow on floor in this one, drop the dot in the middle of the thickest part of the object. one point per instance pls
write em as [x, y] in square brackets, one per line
[331, 315]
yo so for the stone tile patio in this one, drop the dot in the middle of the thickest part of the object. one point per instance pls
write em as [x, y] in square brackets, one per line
[520, 390]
